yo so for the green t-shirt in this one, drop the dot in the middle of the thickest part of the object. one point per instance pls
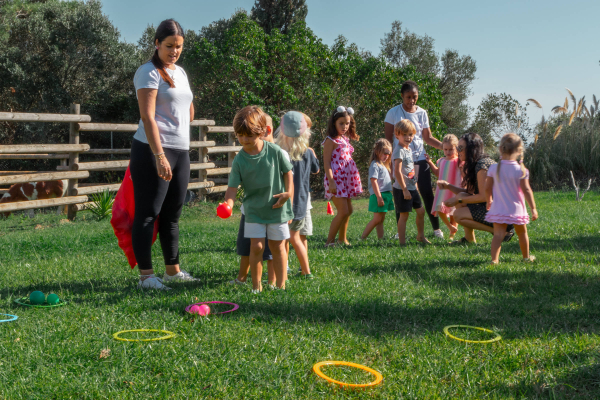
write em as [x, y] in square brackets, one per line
[261, 177]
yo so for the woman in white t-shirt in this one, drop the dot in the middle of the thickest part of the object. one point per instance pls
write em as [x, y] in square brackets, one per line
[418, 116]
[160, 161]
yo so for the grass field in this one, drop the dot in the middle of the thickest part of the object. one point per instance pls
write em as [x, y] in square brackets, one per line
[374, 303]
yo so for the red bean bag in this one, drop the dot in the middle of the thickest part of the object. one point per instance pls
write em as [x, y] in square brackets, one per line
[123, 211]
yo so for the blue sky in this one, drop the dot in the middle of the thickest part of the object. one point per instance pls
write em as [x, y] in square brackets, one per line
[524, 48]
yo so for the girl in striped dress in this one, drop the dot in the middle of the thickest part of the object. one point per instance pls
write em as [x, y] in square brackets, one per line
[447, 169]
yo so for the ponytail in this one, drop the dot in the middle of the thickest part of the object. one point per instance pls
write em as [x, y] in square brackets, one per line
[158, 64]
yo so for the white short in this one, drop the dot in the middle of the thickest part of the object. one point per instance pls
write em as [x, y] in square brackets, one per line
[273, 231]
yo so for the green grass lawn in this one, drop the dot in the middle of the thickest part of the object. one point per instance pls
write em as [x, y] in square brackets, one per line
[374, 303]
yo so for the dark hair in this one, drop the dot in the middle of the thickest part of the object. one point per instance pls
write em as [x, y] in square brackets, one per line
[169, 27]
[474, 151]
[409, 86]
[331, 129]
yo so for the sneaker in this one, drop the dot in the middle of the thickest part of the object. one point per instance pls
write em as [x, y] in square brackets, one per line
[152, 282]
[438, 234]
[396, 236]
[236, 281]
[256, 291]
[181, 276]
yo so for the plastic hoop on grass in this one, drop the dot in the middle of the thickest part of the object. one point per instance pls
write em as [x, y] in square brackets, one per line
[235, 306]
[168, 335]
[447, 332]
[24, 301]
[14, 318]
[377, 381]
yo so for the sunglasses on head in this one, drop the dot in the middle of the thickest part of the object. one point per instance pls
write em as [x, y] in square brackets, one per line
[387, 152]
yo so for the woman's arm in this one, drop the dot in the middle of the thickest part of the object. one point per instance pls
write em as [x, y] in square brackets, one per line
[454, 189]
[389, 132]
[472, 199]
[528, 193]
[430, 140]
[147, 104]
[327, 152]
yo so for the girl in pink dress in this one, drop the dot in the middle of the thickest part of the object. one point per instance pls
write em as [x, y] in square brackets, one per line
[447, 169]
[506, 190]
[342, 180]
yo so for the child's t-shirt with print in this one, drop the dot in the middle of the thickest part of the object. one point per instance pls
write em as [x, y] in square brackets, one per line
[261, 177]
[407, 167]
[379, 172]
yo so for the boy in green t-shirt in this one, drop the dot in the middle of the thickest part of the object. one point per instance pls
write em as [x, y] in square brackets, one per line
[266, 176]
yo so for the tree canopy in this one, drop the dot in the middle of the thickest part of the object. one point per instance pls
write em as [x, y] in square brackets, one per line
[279, 14]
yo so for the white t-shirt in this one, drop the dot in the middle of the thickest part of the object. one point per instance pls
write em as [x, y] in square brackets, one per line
[421, 121]
[172, 113]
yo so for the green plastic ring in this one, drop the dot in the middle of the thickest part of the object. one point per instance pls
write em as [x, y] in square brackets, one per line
[24, 301]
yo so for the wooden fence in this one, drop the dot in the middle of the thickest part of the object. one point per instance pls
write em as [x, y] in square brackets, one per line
[210, 173]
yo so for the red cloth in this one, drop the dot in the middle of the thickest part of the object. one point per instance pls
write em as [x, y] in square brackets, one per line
[123, 211]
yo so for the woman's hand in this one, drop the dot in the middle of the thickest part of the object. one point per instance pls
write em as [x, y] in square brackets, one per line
[451, 202]
[442, 184]
[332, 188]
[164, 168]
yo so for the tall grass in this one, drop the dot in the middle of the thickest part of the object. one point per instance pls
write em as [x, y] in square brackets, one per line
[568, 141]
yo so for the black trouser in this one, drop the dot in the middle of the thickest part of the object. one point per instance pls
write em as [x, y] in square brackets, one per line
[155, 197]
[424, 184]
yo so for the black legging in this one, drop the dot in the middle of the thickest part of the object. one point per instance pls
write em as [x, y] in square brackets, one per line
[426, 191]
[155, 197]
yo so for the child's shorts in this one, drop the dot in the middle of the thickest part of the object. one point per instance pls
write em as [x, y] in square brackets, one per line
[304, 225]
[272, 231]
[388, 203]
[243, 243]
[404, 206]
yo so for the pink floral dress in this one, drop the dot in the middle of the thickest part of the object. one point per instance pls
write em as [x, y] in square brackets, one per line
[345, 173]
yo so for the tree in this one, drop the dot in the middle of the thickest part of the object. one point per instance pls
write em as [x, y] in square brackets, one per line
[235, 63]
[498, 114]
[279, 14]
[456, 73]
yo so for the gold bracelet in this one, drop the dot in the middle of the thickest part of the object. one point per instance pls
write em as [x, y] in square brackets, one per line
[160, 155]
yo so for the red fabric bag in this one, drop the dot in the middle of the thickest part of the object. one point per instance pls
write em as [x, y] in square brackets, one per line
[123, 211]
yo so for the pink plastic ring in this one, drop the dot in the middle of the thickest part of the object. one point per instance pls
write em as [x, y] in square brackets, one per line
[235, 306]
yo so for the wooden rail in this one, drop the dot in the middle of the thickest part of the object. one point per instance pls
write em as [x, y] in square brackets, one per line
[28, 205]
[97, 189]
[34, 117]
[43, 148]
[224, 149]
[34, 156]
[45, 176]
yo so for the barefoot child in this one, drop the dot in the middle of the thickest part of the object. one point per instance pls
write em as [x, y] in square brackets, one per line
[447, 169]
[243, 243]
[342, 180]
[380, 187]
[266, 177]
[406, 196]
[508, 182]
[294, 138]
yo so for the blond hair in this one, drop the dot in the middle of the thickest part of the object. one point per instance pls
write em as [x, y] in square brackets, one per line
[250, 121]
[405, 126]
[510, 144]
[451, 140]
[296, 147]
[378, 148]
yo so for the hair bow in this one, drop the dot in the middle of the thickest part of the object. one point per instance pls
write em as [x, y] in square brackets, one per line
[341, 109]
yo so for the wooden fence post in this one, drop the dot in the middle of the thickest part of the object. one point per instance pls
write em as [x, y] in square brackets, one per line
[203, 154]
[230, 142]
[73, 159]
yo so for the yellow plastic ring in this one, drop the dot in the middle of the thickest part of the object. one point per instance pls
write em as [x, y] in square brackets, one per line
[169, 335]
[447, 328]
[377, 381]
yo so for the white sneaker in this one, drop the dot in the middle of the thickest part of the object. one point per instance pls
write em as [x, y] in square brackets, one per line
[181, 276]
[152, 282]
[438, 234]
[236, 281]
[396, 236]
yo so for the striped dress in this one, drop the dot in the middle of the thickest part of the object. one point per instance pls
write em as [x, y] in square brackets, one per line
[449, 172]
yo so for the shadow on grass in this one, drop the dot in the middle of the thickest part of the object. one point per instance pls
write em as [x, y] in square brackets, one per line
[578, 382]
